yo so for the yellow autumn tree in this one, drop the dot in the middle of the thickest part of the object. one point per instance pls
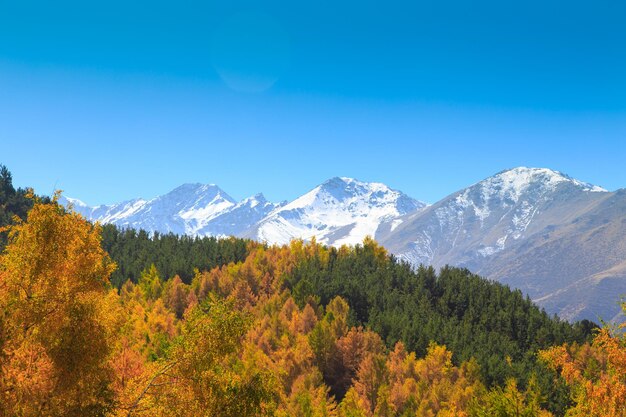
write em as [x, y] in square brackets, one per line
[150, 283]
[56, 331]
[203, 374]
[399, 384]
[509, 401]
[596, 373]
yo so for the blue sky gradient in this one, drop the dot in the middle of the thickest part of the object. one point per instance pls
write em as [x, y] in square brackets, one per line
[116, 100]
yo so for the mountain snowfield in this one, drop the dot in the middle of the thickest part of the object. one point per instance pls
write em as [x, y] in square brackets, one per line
[558, 239]
[192, 209]
[341, 211]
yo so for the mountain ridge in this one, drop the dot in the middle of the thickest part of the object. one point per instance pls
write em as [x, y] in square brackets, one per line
[532, 228]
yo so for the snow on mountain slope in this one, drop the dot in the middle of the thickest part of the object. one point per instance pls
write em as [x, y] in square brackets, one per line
[486, 217]
[575, 266]
[236, 219]
[112, 213]
[521, 227]
[517, 195]
[339, 211]
[193, 209]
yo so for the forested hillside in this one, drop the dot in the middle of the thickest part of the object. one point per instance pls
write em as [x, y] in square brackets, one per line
[474, 317]
[103, 322]
[557, 239]
[297, 330]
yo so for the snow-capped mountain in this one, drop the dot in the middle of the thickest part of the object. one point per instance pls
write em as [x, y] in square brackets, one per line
[486, 217]
[339, 211]
[113, 213]
[193, 209]
[559, 240]
[235, 220]
[520, 227]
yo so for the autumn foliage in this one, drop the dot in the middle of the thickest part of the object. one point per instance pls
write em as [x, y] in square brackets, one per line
[57, 330]
[597, 373]
[236, 340]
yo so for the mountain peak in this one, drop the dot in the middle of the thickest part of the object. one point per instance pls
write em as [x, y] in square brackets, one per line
[343, 188]
[502, 209]
[196, 186]
[254, 200]
[74, 202]
[199, 193]
[515, 181]
[337, 182]
[341, 210]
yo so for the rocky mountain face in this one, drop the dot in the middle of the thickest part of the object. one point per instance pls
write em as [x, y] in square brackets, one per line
[486, 218]
[560, 240]
[575, 267]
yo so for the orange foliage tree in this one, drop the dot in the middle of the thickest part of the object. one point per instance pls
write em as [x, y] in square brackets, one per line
[596, 373]
[202, 373]
[399, 384]
[56, 317]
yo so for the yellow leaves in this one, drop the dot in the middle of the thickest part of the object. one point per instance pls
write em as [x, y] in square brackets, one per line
[203, 374]
[291, 360]
[436, 364]
[354, 405]
[400, 384]
[510, 402]
[150, 283]
[53, 257]
[160, 319]
[380, 253]
[371, 376]
[308, 398]
[442, 387]
[614, 348]
[337, 316]
[53, 286]
[28, 377]
[596, 372]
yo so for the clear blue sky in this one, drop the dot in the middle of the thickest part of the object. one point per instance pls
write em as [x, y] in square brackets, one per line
[116, 99]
